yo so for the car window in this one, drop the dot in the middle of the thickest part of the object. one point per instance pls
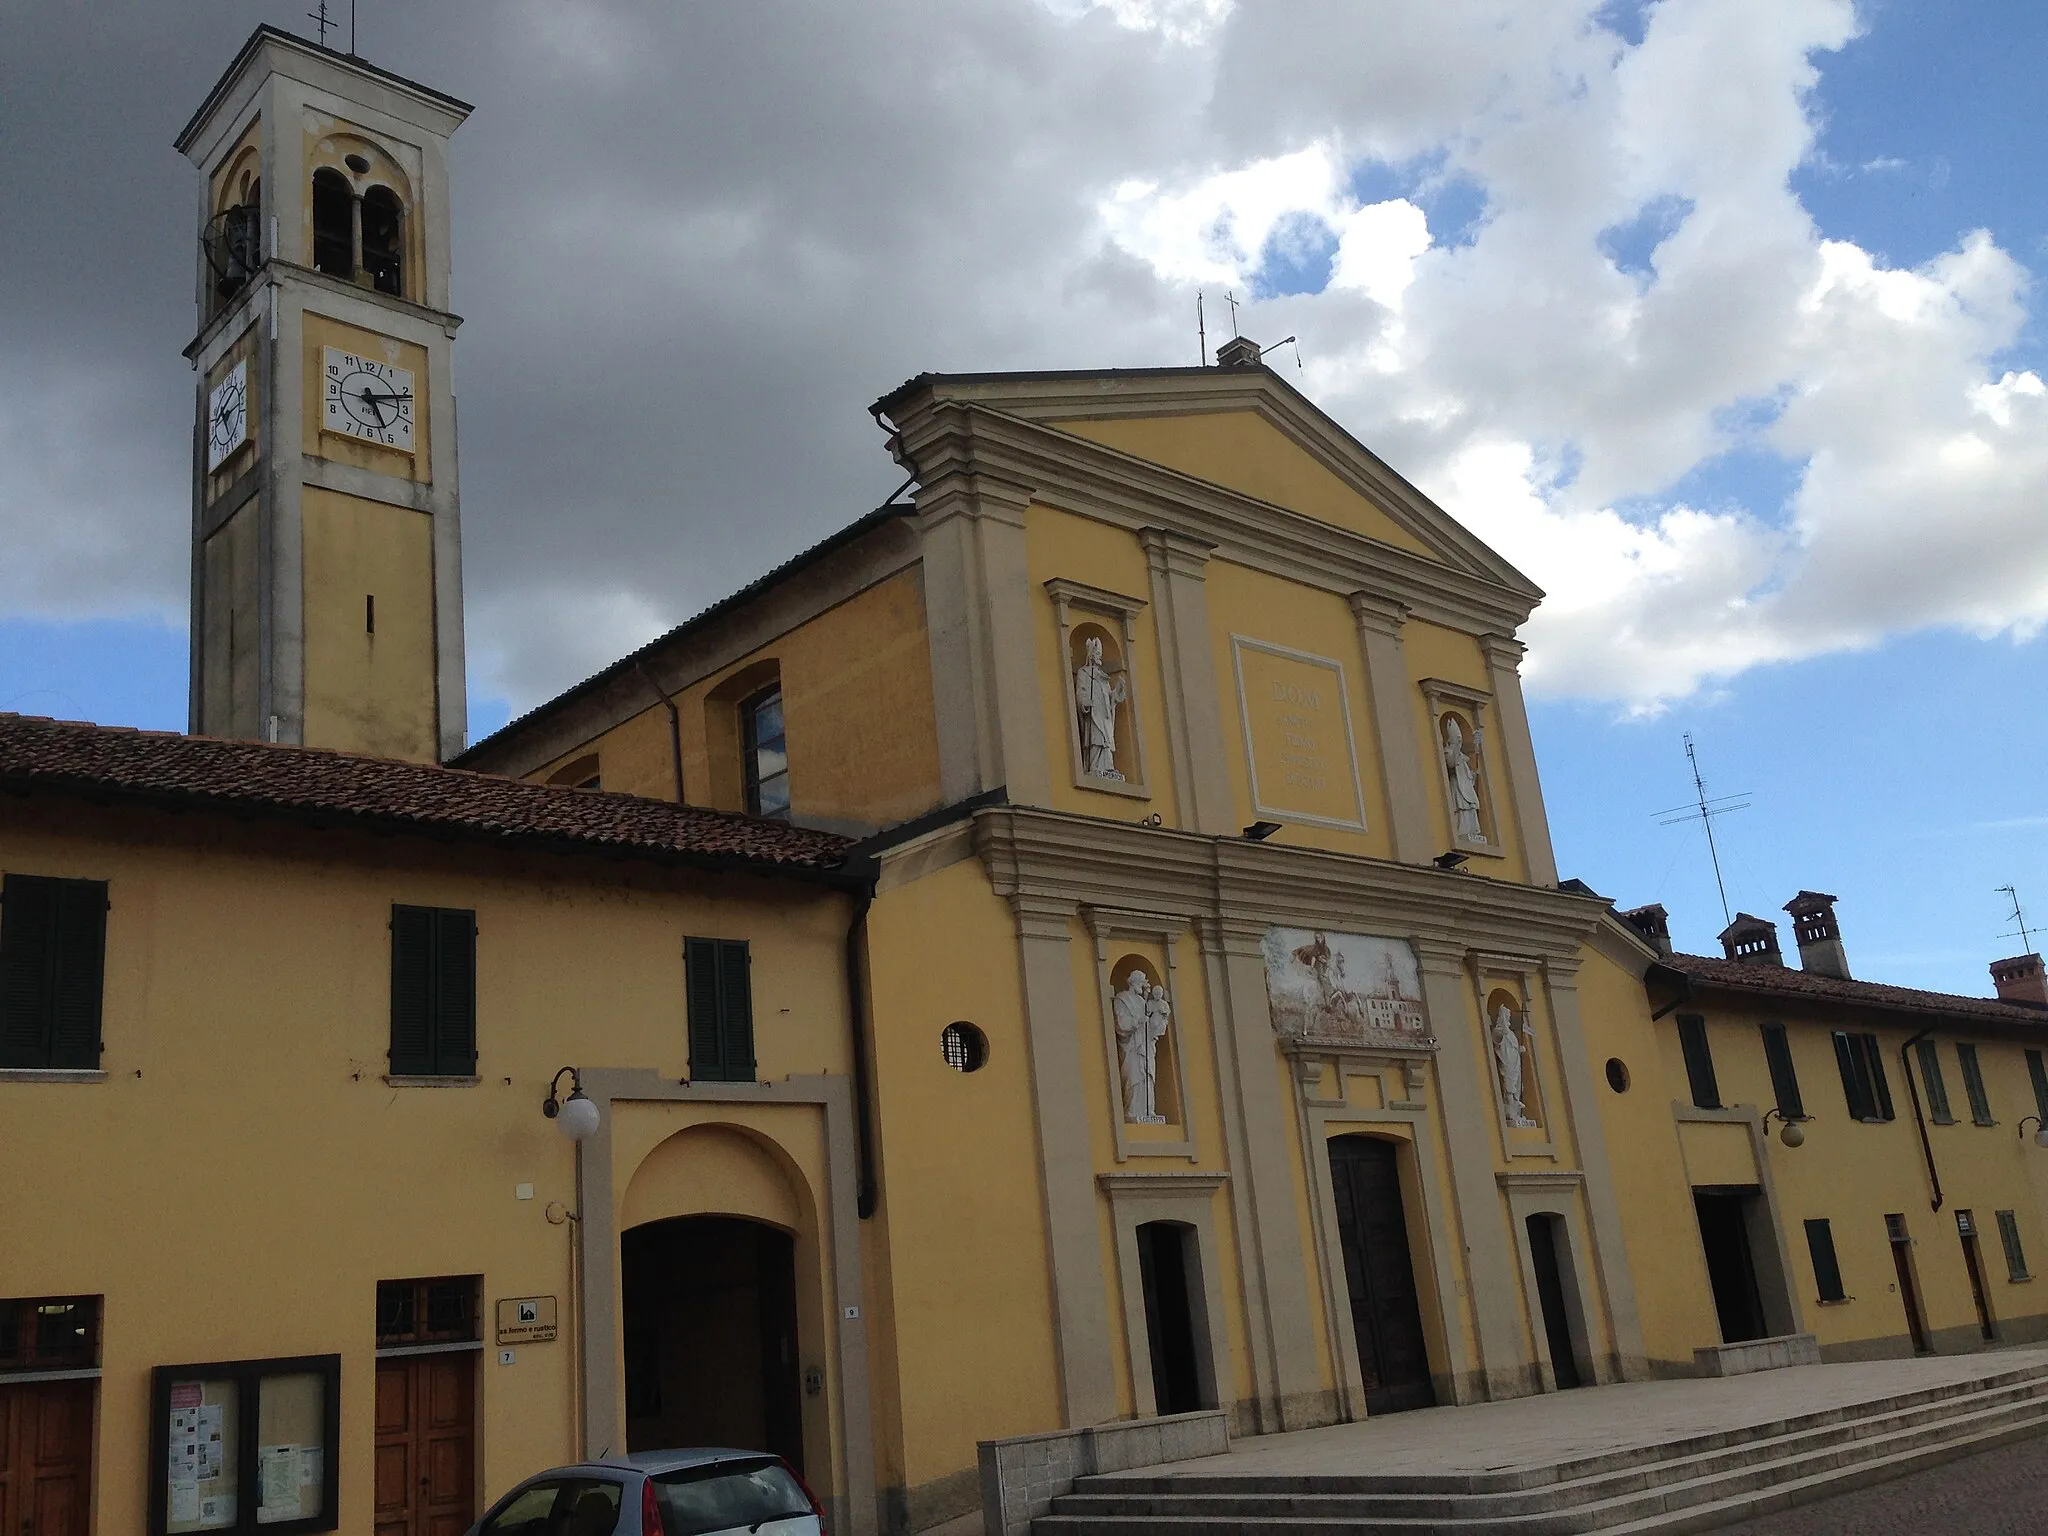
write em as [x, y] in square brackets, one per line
[732, 1495]
[559, 1506]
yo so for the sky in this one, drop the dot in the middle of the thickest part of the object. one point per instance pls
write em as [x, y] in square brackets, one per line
[1717, 317]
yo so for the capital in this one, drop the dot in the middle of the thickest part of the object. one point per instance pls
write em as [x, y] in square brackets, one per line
[1379, 614]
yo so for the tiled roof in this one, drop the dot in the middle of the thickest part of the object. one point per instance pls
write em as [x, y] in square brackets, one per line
[1706, 972]
[251, 777]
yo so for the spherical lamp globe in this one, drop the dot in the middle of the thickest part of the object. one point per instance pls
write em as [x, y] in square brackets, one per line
[578, 1117]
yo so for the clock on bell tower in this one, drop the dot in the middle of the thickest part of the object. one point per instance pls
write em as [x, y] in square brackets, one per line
[326, 526]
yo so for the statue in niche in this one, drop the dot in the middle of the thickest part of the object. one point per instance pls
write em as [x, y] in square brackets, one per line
[1142, 1015]
[1464, 783]
[1508, 1051]
[1097, 693]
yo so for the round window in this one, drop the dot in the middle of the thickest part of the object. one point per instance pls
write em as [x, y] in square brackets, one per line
[1617, 1074]
[964, 1046]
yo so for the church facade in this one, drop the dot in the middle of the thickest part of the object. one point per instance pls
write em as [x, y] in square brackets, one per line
[1081, 943]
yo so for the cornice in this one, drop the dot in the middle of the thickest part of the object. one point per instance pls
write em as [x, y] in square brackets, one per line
[955, 445]
[1227, 887]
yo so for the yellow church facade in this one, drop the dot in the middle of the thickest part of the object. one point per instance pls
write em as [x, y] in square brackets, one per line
[1080, 945]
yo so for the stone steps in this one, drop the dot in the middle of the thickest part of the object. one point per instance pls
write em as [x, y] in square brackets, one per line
[1692, 1483]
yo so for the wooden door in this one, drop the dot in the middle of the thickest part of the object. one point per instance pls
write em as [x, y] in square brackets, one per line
[1386, 1317]
[1902, 1264]
[426, 1444]
[1975, 1267]
[46, 1459]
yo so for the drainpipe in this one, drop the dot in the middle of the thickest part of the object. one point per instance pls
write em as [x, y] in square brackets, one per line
[1913, 1089]
[675, 728]
[857, 1024]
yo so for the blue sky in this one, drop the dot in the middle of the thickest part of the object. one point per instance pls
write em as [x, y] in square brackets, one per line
[1867, 675]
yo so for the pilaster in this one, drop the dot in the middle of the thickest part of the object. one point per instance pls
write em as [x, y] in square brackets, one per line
[1066, 1162]
[1187, 662]
[1465, 1101]
[1603, 1207]
[984, 653]
[1503, 662]
[1393, 707]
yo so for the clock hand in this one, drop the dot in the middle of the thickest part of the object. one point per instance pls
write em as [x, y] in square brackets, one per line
[369, 400]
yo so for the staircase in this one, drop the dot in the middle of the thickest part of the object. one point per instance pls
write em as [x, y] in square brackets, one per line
[1691, 1484]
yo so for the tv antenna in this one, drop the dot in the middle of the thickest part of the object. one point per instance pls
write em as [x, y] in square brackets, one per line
[1201, 333]
[2018, 917]
[1703, 811]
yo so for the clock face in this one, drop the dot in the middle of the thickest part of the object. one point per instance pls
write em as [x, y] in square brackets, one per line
[366, 399]
[227, 416]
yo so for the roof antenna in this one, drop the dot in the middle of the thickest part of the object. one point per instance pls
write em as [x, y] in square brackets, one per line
[2019, 917]
[352, 30]
[319, 20]
[1704, 811]
[1201, 332]
[1230, 298]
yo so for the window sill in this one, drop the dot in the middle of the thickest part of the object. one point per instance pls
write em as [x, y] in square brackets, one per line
[1839, 1301]
[24, 1378]
[2019, 1279]
[459, 1346]
[424, 1080]
[52, 1075]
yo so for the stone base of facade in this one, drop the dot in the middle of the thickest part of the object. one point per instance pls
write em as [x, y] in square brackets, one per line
[1773, 1354]
[1021, 1477]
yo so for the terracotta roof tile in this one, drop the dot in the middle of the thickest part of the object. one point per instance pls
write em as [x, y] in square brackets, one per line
[260, 778]
[1708, 972]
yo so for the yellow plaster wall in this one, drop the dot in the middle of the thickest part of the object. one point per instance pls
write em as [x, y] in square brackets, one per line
[1061, 545]
[321, 333]
[960, 1177]
[267, 1178]
[1658, 1226]
[1247, 453]
[368, 692]
[232, 639]
[1261, 607]
[857, 711]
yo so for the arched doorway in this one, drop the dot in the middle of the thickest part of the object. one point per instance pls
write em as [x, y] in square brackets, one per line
[1386, 1315]
[1549, 1256]
[1169, 1268]
[709, 1306]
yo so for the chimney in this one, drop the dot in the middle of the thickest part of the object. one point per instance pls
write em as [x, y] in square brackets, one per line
[1238, 352]
[1819, 935]
[1653, 923]
[1754, 939]
[2021, 980]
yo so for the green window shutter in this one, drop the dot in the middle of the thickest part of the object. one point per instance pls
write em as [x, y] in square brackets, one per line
[1827, 1272]
[1784, 1080]
[2039, 1074]
[1973, 1084]
[454, 992]
[1880, 1087]
[700, 967]
[736, 994]
[412, 991]
[2009, 1235]
[1937, 1089]
[77, 973]
[1699, 1061]
[28, 934]
[1855, 1077]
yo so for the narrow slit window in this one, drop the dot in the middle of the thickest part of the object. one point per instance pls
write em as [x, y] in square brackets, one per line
[333, 224]
[766, 754]
[384, 240]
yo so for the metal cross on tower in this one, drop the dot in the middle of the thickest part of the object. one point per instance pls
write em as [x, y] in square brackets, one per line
[320, 22]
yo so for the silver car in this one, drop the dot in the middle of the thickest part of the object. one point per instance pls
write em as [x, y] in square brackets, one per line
[661, 1493]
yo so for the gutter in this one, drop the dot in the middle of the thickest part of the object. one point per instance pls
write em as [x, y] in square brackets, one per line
[1919, 1119]
[866, 1195]
[675, 726]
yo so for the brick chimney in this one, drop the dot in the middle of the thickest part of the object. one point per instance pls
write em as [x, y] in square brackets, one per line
[1653, 923]
[1754, 939]
[1819, 935]
[1238, 352]
[2021, 980]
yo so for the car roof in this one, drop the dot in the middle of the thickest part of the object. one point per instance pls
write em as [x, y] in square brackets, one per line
[678, 1460]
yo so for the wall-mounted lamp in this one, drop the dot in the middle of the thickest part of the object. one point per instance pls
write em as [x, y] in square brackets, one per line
[1259, 831]
[575, 1116]
[2040, 1135]
[1792, 1133]
[1450, 860]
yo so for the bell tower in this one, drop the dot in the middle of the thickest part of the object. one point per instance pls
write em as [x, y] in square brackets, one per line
[326, 527]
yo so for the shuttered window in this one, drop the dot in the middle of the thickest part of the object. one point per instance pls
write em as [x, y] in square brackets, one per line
[1827, 1273]
[1784, 1081]
[721, 1008]
[2039, 1074]
[1973, 1085]
[1861, 1060]
[1937, 1089]
[53, 939]
[1699, 1061]
[433, 992]
[2009, 1235]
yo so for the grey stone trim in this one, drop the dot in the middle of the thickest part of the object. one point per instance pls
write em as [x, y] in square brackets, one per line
[1123, 612]
[1187, 662]
[1562, 1194]
[1104, 924]
[1020, 1477]
[1134, 1199]
[1443, 695]
[597, 1241]
[1411, 820]
[1525, 790]
[1784, 1306]
[1772, 1354]
[52, 1075]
